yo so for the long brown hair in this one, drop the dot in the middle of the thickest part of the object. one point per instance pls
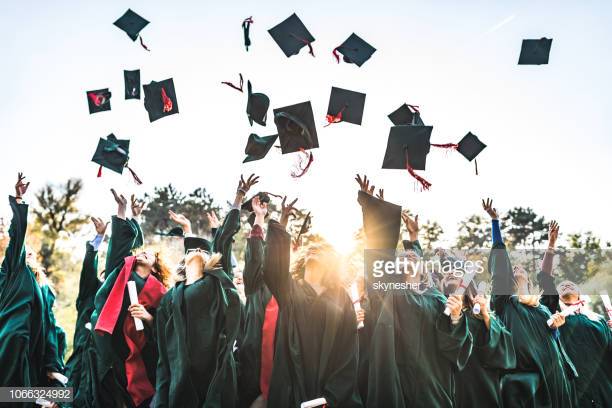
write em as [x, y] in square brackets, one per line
[160, 270]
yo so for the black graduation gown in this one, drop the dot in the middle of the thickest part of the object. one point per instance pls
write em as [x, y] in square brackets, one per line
[197, 326]
[316, 350]
[478, 384]
[224, 238]
[112, 350]
[81, 364]
[23, 332]
[543, 373]
[588, 344]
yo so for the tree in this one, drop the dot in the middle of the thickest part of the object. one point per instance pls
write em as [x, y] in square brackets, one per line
[474, 233]
[525, 227]
[583, 259]
[57, 213]
[431, 232]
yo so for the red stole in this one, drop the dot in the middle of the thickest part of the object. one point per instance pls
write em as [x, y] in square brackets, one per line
[268, 332]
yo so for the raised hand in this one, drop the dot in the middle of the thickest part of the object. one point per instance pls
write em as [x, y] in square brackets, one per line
[99, 225]
[487, 205]
[412, 224]
[213, 221]
[21, 188]
[381, 194]
[137, 206]
[364, 184]
[553, 233]
[558, 320]
[140, 312]
[259, 208]
[455, 304]
[245, 186]
[181, 220]
[121, 204]
[287, 210]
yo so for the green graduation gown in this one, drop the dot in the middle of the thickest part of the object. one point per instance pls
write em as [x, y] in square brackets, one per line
[224, 238]
[316, 349]
[478, 384]
[55, 340]
[588, 344]
[543, 373]
[23, 330]
[197, 326]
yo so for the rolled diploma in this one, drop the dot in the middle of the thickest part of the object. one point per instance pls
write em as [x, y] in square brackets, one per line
[566, 312]
[482, 287]
[134, 300]
[319, 402]
[606, 301]
[465, 282]
[356, 302]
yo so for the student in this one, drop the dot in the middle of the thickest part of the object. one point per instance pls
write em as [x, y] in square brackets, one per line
[585, 335]
[316, 349]
[198, 322]
[127, 358]
[81, 365]
[543, 371]
[415, 348]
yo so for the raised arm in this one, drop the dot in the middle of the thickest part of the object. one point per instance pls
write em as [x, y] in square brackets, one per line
[499, 264]
[88, 281]
[546, 280]
[123, 236]
[412, 226]
[14, 260]
[276, 262]
[254, 256]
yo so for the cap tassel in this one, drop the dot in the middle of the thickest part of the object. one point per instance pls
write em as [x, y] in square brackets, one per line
[167, 101]
[337, 118]
[246, 26]
[425, 185]
[305, 41]
[99, 171]
[234, 86]
[415, 108]
[137, 179]
[336, 55]
[476, 166]
[96, 99]
[299, 170]
[143, 44]
[448, 146]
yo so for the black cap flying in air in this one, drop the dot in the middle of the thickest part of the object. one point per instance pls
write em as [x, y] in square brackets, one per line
[291, 35]
[296, 127]
[112, 153]
[160, 99]
[345, 106]
[535, 52]
[406, 115]
[407, 149]
[470, 146]
[98, 100]
[354, 50]
[257, 106]
[132, 24]
[132, 84]
[258, 147]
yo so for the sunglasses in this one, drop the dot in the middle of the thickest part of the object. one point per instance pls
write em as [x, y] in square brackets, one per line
[200, 250]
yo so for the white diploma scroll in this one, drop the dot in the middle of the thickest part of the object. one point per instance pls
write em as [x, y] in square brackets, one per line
[315, 403]
[565, 312]
[465, 282]
[356, 302]
[134, 300]
[482, 288]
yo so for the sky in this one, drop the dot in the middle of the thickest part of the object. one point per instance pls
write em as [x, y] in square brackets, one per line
[547, 127]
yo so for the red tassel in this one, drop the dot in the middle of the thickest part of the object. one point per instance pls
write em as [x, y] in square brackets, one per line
[445, 145]
[415, 108]
[137, 179]
[234, 86]
[143, 44]
[336, 55]
[100, 171]
[337, 118]
[305, 41]
[248, 20]
[96, 99]
[167, 101]
[299, 171]
[425, 185]
[476, 166]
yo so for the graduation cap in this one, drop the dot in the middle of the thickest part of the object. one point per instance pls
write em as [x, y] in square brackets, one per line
[174, 232]
[246, 27]
[132, 24]
[197, 243]
[258, 147]
[407, 148]
[114, 154]
[354, 50]
[291, 35]
[297, 133]
[535, 52]
[132, 84]
[345, 106]
[406, 115]
[257, 106]
[470, 147]
[236, 87]
[381, 222]
[98, 100]
[264, 197]
[160, 99]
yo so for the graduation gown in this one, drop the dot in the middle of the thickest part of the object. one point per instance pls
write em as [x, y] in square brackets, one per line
[316, 349]
[112, 349]
[23, 314]
[81, 365]
[197, 326]
[478, 384]
[588, 344]
[223, 239]
[55, 339]
[543, 373]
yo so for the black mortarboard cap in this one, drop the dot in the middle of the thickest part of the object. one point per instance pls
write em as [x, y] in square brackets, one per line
[174, 232]
[197, 243]
[258, 147]
[257, 106]
[345, 106]
[470, 146]
[291, 35]
[248, 204]
[406, 115]
[131, 23]
[535, 52]
[98, 100]
[355, 50]
[411, 139]
[112, 153]
[132, 84]
[381, 221]
[160, 99]
[296, 127]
